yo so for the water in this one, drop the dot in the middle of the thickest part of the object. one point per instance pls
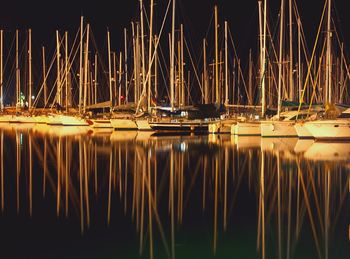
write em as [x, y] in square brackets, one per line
[80, 193]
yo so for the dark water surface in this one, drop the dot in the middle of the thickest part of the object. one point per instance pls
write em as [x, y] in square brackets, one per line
[80, 193]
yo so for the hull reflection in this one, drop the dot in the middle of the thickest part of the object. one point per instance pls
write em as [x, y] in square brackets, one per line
[140, 194]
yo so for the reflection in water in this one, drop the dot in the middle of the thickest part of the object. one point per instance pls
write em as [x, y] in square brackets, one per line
[202, 196]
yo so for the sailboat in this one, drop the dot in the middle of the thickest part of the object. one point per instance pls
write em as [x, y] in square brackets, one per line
[180, 117]
[330, 128]
[252, 127]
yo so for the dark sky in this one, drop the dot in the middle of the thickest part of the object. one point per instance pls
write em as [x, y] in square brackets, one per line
[44, 17]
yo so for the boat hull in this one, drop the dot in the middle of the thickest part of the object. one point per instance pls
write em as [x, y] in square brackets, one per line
[278, 129]
[330, 129]
[246, 129]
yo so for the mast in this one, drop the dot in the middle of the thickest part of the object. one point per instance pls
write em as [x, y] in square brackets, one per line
[156, 67]
[114, 69]
[217, 96]
[328, 98]
[280, 59]
[262, 32]
[299, 58]
[120, 78]
[143, 52]
[172, 59]
[44, 75]
[58, 95]
[30, 85]
[109, 71]
[226, 67]
[182, 65]
[81, 64]
[1, 69]
[205, 74]
[150, 56]
[66, 67]
[138, 63]
[18, 97]
[126, 66]
[95, 79]
[250, 79]
[291, 84]
[86, 59]
[134, 59]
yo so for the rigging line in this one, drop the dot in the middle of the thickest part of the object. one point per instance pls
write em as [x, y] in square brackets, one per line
[303, 42]
[194, 68]
[345, 62]
[62, 69]
[312, 58]
[239, 66]
[162, 71]
[153, 56]
[318, 71]
[47, 75]
[7, 82]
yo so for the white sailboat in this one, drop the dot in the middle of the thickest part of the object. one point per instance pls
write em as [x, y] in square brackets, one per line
[335, 129]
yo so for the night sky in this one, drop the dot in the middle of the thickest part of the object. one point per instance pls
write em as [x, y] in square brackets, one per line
[44, 17]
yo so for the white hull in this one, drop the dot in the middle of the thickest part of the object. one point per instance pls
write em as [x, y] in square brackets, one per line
[101, 123]
[123, 124]
[23, 119]
[278, 129]
[143, 124]
[329, 129]
[5, 118]
[41, 119]
[246, 129]
[180, 125]
[223, 126]
[302, 131]
[66, 120]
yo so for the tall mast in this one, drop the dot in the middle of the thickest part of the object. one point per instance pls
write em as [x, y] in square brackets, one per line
[1, 69]
[95, 79]
[250, 79]
[328, 57]
[120, 77]
[58, 95]
[86, 59]
[182, 65]
[172, 58]
[226, 67]
[262, 29]
[205, 74]
[66, 67]
[114, 69]
[143, 51]
[110, 71]
[150, 56]
[81, 64]
[138, 63]
[280, 59]
[44, 76]
[30, 69]
[126, 66]
[134, 59]
[18, 97]
[299, 58]
[217, 97]
[156, 67]
[291, 84]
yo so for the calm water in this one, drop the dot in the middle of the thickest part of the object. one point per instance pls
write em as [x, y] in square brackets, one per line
[78, 193]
